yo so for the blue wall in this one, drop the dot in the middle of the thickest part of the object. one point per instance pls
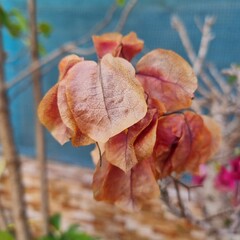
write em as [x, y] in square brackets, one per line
[150, 19]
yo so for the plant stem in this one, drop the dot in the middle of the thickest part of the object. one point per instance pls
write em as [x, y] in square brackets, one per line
[39, 132]
[12, 159]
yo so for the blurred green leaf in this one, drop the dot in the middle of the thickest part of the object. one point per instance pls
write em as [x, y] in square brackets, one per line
[6, 236]
[120, 2]
[41, 49]
[45, 29]
[75, 236]
[72, 233]
[3, 17]
[232, 79]
[55, 221]
[48, 238]
[13, 27]
[73, 228]
[21, 20]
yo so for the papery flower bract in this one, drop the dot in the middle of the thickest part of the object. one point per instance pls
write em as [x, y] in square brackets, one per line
[235, 168]
[54, 113]
[224, 181]
[136, 117]
[120, 150]
[119, 46]
[167, 77]
[86, 103]
[183, 143]
[128, 191]
[199, 178]
[105, 98]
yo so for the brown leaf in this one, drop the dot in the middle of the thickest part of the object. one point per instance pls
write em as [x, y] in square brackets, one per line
[54, 112]
[49, 116]
[184, 142]
[167, 77]
[128, 191]
[66, 63]
[146, 140]
[77, 137]
[131, 46]
[105, 99]
[120, 151]
[216, 133]
[126, 47]
[107, 43]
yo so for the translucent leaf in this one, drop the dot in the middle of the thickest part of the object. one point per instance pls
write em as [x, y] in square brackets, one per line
[45, 29]
[167, 77]
[119, 46]
[183, 143]
[128, 191]
[105, 98]
[120, 151]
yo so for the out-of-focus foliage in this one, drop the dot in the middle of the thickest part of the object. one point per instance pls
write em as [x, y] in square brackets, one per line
[120, 2]
[17, 26]
[4, 235]
[72, 233]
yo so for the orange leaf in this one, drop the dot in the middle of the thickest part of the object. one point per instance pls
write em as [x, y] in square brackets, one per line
[216, 133]
[49, 116]
[66, 63]
[131, 46]
[54, 112]
[167, 77]
[107, 43]
[77, 137]
[126, 47]
[128, 191]
[105, 98]
[120, 150]
[146, 140]
[184, 142]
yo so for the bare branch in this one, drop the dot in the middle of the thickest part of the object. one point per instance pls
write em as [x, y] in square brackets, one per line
[194, 59]
[45, 60]
[178, 25]
[207, 36]
[72, 46]
[127, 10]
[180, 203]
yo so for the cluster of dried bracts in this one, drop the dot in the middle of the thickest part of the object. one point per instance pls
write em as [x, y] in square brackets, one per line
[137, 115]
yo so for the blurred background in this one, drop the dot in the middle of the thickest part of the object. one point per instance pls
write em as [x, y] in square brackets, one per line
[204, 32]
[72, 20]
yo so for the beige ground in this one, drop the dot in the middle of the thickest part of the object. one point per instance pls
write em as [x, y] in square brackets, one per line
[71, 195]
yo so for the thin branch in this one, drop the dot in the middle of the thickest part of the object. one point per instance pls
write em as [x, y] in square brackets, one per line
[18, 56]
[123, 19]
[207, 36]
[45, 60]
[100, 154]
[99, 26]
[219, 79]
[65, 48]
[39, 131]
[180, 28]
[219, 214]
[178, 25]
[12, 158]
[180, 202]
